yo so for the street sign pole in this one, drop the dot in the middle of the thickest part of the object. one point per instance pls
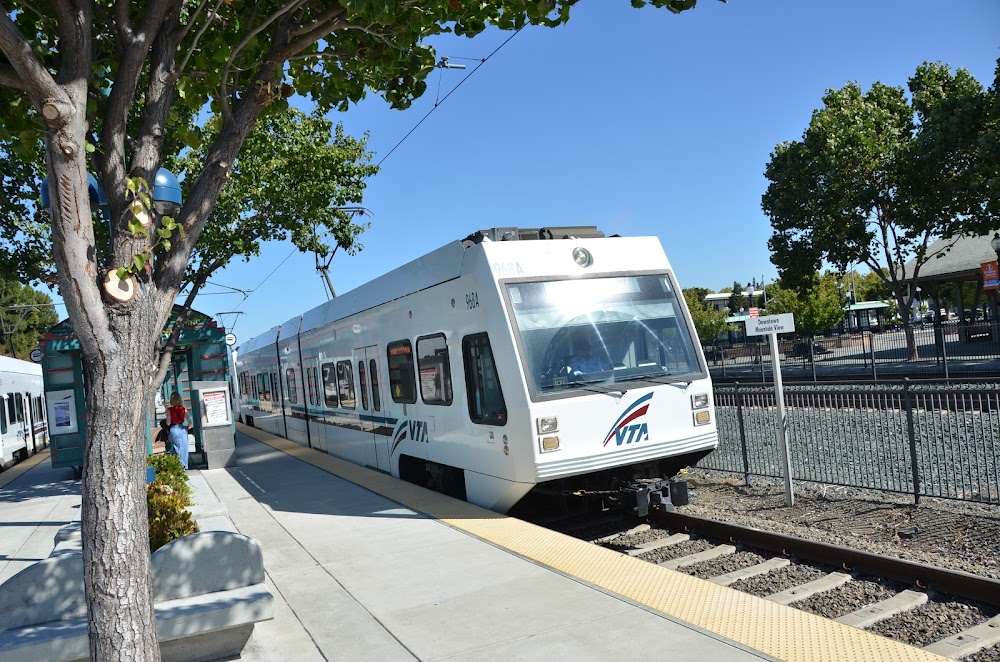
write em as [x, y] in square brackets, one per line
[771, 326]
[782, 423]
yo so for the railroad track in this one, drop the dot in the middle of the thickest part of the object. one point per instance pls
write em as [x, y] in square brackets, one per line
[948, 612]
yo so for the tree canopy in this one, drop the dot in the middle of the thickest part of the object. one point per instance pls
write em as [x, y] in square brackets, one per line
[818, 308]
[25, 314]
[708, 322]
[878, 175]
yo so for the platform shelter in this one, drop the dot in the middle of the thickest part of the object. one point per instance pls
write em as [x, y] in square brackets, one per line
[200, 358]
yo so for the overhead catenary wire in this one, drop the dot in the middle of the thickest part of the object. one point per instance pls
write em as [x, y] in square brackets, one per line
[480, 62]
[452, 91]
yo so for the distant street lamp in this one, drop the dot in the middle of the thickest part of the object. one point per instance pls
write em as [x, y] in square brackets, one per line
[995, 243]
[749, 295]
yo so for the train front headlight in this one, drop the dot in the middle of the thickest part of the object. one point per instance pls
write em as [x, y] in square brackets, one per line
[545, 425]
[702, 417]
[699, 400]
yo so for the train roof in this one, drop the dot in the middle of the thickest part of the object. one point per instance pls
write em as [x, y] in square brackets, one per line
[432, 269]
[10, 364]
[267, 338]
[436, 267]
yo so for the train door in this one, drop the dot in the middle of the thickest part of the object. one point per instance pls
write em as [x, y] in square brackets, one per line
[313, 401]
[372, 415]
[29, 423]
[3, 428]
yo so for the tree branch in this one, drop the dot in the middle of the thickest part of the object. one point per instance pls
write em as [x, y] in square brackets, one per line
[316, 29]
[10, 78]
[201, 31]
[223, 85]
[133, 58]
[26, 65]
[124, 32]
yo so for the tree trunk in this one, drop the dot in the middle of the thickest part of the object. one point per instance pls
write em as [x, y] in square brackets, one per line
[116, 342]
[911, 340]
[115, 524]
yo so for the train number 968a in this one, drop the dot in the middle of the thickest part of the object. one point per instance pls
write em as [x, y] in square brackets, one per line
[472, 300]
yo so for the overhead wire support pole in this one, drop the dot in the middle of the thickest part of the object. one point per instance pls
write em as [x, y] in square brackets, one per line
[324, 269]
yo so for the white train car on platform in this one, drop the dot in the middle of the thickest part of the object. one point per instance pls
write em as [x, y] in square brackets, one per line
[465, 371]
[23, 429]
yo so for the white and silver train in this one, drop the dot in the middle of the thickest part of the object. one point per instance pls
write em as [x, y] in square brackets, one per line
[467, 371]
[23, 429]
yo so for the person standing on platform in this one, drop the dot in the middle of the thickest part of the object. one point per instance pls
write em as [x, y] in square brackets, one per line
[177, 415]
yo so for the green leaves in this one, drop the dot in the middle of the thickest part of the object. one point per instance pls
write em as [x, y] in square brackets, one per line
[866, 184]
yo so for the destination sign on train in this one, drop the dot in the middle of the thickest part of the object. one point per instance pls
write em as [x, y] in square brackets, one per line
[761, 326]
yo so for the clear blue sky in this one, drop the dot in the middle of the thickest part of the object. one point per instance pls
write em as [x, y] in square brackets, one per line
[637, 121]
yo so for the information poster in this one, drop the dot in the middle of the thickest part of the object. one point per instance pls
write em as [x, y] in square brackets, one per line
[214, 407]
[62, 412]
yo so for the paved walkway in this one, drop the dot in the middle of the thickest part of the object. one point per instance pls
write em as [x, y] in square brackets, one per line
[356, 576]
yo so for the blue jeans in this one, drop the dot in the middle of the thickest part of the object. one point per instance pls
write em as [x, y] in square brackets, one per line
[179, 443]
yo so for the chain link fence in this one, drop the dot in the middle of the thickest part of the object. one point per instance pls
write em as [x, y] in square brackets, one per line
[917, 437]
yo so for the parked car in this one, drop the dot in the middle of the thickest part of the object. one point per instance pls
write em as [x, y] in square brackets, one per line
[801, 350]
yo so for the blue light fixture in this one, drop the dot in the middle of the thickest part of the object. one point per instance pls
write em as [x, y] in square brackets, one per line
[166, 193]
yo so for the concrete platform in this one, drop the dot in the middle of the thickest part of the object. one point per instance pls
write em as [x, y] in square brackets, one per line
[357, 576]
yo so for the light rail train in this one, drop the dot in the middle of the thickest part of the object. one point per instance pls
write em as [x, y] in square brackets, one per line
[23, 429]
[554, 361]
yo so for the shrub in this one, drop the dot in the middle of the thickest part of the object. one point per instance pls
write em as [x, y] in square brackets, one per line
[170, 472]
[168, 518]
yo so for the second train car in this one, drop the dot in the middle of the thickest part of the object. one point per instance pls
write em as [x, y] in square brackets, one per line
[23, 430]
[554, 360]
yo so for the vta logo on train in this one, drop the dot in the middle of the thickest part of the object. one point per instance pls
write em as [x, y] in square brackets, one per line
[626, 430]
[415, 430]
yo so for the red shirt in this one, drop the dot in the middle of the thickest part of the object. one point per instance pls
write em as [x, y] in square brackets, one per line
[177, 415]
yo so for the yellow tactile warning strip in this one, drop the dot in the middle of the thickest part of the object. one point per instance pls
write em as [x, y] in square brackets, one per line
[782, 632]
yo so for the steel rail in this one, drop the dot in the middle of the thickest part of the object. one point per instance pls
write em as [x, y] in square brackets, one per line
[920, 575]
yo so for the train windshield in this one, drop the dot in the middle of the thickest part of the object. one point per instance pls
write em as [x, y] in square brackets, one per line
[584, 332]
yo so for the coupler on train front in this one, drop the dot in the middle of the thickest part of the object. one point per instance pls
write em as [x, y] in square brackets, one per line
[654, 495]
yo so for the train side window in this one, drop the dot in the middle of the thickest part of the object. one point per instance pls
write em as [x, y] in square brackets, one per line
[330, 385]
[399, 356]
[434, 369]
[290, 386]
[486, 403]
[11, 416]
[363, 384]
[3, 417]
[19, 405]
[345, 383]
[376, 400]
